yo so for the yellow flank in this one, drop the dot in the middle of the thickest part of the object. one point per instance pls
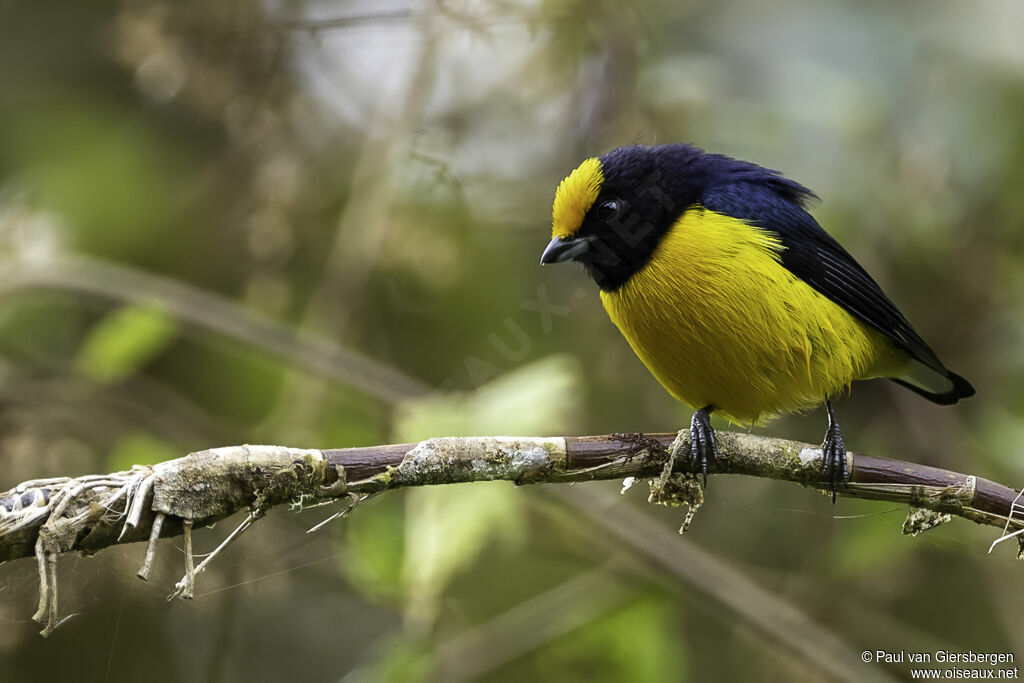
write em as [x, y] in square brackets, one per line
[574, 197]
[719, 321]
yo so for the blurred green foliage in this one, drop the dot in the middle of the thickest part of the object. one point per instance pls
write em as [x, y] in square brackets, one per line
[379, 176]
[122, 341]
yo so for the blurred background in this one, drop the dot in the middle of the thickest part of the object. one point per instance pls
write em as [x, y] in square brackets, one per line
[318, 224]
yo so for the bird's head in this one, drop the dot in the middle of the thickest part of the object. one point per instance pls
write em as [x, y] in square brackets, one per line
[611, 212]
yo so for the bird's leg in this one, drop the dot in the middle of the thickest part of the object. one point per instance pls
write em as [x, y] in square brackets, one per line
[703, 445]
[833, 454]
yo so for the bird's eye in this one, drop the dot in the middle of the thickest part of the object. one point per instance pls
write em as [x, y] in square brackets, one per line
[609, 210]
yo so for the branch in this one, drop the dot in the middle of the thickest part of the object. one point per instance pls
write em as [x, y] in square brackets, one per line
[47, 517]
[205, 310]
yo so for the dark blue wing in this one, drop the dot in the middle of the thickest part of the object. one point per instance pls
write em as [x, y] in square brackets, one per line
[775, 203]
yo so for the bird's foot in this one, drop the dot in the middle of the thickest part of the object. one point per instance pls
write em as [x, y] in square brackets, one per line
[834, 470]
[703, 446]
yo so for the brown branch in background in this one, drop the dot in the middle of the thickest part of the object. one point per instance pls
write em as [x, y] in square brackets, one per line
[784, 630]
[193, 306]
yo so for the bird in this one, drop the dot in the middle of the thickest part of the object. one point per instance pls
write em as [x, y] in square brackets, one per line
[731, 293]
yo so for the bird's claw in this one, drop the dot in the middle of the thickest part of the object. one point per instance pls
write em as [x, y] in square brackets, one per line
[834, 470]
[703, 444]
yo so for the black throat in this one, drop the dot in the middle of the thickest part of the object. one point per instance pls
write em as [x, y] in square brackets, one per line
[621, 251]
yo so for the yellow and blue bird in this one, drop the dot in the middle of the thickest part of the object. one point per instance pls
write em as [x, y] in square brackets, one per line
[731, 294]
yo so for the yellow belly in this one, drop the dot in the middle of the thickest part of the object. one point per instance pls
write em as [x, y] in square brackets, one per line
[719, 321]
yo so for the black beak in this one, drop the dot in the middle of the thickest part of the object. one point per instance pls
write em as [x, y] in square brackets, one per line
[559, 250]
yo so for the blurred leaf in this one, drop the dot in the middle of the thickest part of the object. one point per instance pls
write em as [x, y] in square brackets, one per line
[446, 530]
[448, 527]
[123, 341]
[140, 448]
[541, 398]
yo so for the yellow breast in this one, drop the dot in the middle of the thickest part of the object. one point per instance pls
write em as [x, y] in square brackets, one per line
[719, 321]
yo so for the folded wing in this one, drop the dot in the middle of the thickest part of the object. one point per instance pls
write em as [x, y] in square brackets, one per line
[775, 203]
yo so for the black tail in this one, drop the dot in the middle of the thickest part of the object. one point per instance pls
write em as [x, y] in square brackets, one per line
[944, 388]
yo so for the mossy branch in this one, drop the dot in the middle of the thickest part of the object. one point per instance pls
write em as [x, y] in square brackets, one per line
[86, 514]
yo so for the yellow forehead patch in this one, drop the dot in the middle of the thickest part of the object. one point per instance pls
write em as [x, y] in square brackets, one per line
[574, 197]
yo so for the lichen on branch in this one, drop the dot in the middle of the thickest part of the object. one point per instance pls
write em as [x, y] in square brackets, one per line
[48, 517]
